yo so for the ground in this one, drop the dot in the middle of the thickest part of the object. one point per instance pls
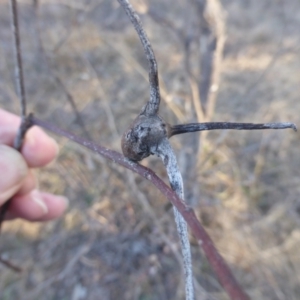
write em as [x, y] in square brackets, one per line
[118, 238]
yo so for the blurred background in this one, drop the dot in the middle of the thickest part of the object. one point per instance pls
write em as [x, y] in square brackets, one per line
[218, 60]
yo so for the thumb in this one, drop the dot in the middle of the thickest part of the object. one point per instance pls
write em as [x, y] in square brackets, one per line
[13, 170]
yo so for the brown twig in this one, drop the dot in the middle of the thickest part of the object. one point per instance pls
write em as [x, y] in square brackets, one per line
[24, 126]
[193, 127]
[9, 265]
[217, 262]
[25, 120]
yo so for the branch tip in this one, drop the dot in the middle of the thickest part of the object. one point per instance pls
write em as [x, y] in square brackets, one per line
[194, 127]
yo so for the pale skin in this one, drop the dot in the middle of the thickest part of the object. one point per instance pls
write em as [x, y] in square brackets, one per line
[17, 180]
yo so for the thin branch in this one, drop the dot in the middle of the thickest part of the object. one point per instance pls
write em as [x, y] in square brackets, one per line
[8, 264]
[252, 88]
[166, 153]
[19, 77]
[25, 121]
[18, 57]
[193, 127]
[217, 262]
[68, 268]
[54, 74]
[25, 125]
[192, 78]
[152, 106]
[211, 46]
[71, 101]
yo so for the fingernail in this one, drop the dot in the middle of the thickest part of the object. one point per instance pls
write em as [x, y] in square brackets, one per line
[36, 198]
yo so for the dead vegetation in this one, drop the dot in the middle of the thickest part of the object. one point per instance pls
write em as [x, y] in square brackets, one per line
[118, 239]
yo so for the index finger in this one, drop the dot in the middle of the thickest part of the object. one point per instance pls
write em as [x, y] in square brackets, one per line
[38, 148]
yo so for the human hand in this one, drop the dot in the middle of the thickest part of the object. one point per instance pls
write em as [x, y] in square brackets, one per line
[17, 181]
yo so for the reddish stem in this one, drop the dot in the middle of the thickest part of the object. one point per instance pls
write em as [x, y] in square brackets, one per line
[221, 269]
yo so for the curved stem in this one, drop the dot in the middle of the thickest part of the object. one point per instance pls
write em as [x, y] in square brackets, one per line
[217, 262]
[166, 153]
[152, 106]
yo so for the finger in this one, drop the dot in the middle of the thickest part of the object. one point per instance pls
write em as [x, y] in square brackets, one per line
[30, 206]
[29, 184]
[56, 206]
[38, 149]
[37, 206]
[13, 171]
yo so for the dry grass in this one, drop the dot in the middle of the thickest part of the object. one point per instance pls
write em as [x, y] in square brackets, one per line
[118, 239]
